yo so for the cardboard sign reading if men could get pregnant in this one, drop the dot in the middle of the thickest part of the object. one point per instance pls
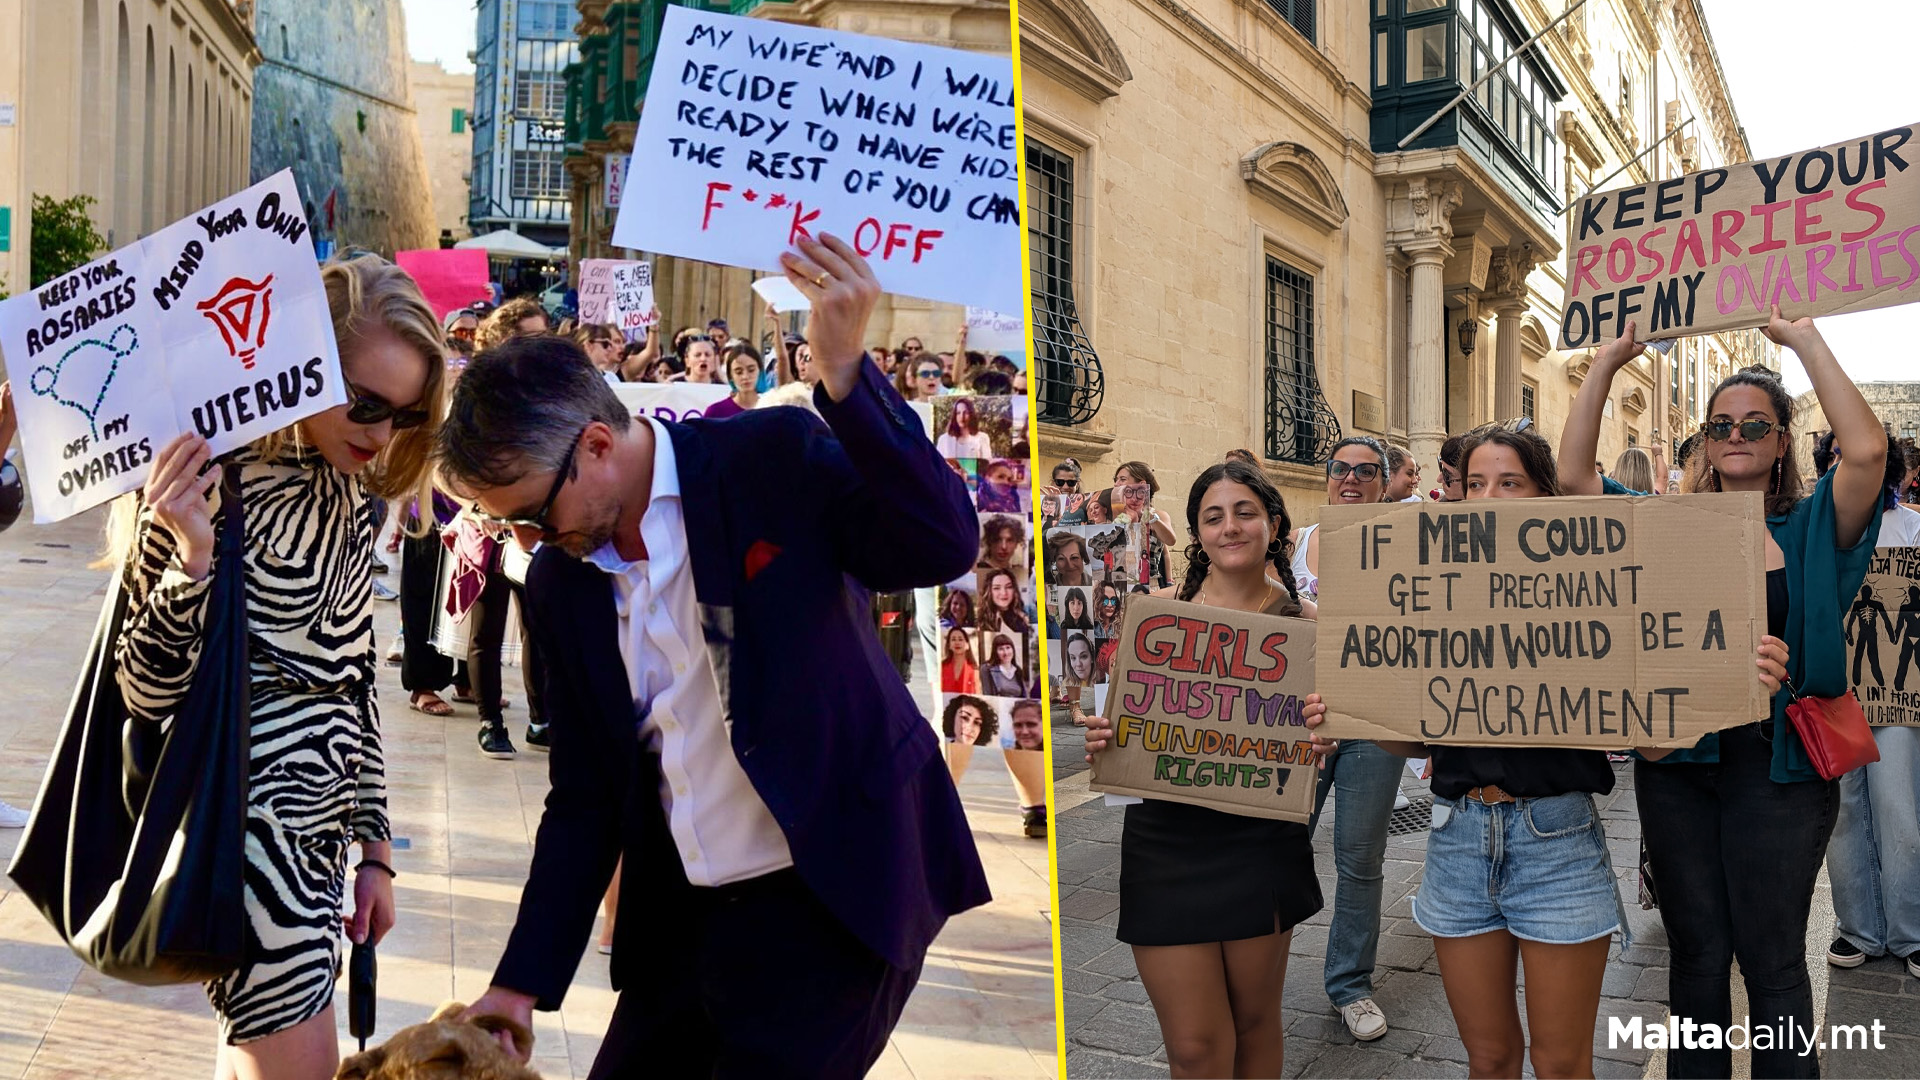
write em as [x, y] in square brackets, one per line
[758, 134]
[1205, 705]
[217, 323]
[1819, 232]
[1601, 622]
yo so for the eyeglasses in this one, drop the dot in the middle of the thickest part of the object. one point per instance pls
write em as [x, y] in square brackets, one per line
[929, 373]
[1067, 482]
[1366, 473]
[500, 528]
[1750, 430]
[461, 333]
[364, 408]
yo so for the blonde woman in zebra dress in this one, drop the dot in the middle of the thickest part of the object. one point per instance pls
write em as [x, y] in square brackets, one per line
[317, 780]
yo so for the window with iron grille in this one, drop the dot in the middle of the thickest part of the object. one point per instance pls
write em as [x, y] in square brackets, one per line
[1297, 12]
[1300, 426]
[539, 174]
[539, 94]
[1070, 382]
[1526, 401]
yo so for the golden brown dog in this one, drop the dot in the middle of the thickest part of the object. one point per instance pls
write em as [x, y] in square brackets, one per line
[444, 1048]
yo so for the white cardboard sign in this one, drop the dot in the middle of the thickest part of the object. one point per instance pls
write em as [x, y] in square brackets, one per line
[617, 291]
[217, 323]
[784, 295]
[757, 133]
[991, 332]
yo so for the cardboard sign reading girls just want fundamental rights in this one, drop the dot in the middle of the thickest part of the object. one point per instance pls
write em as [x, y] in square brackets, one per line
[1205, 704]
[759, 133]
[217, 323]
[1819, 232]
[1597, 622]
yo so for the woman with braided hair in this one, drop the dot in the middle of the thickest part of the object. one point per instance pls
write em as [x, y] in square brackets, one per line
[1209, 900]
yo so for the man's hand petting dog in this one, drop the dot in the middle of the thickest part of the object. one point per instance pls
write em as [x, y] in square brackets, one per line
[454, 1045]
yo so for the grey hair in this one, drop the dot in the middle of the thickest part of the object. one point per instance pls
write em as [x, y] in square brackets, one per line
[519, 408]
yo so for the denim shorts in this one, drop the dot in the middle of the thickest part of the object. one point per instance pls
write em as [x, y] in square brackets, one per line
[1537, 868]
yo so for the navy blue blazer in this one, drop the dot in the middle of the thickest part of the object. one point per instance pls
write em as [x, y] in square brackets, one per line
[788, 523]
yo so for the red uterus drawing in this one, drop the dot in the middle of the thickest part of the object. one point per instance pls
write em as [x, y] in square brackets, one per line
[241, 309]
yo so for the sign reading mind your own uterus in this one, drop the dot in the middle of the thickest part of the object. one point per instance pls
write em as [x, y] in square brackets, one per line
[1819, 232]
[758, 134]
[216, 324]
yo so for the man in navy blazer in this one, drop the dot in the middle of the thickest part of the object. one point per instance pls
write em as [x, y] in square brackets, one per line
[724, 718]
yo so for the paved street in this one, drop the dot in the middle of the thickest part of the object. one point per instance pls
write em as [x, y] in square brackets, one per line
[984, 1007]
[1110, 1026]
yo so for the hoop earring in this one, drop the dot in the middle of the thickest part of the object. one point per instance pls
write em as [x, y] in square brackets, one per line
[1273, 549]
[1203, 558]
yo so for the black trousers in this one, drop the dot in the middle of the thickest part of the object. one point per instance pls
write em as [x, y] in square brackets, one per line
[489, 615]
[1735, 857]
[423, 668]
[753, 980]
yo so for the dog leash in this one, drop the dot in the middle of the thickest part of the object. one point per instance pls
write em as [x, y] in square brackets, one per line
[362, 975]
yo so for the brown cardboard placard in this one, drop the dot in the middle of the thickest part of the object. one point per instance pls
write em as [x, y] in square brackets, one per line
[1883, 639]
[1599, 622]
[1205, 704]
[1821, 232]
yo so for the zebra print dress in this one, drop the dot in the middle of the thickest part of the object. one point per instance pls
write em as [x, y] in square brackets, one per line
[317, 778]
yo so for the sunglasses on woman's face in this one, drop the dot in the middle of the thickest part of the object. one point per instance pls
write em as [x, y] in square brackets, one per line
[364, 408]
[1366, 472]
[928, 373]
[1750, 430]
[461, 333]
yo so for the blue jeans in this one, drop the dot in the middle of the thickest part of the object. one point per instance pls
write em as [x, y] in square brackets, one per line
[1874, 859]
[1366, 779]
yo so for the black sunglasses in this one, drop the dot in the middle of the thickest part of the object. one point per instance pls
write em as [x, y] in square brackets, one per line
[1750, 430]
[1366, 472]
[1067, 482]
[363, 408]
[500, 528]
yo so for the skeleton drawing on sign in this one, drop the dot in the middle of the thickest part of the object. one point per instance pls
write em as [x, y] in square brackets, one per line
[1864, 634]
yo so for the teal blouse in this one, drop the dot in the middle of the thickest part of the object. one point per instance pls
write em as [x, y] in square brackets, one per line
[1822, 580]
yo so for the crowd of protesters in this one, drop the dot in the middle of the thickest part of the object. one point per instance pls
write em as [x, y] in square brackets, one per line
[1736, 827]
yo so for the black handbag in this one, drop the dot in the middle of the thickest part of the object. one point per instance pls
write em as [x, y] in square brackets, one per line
[137, 841]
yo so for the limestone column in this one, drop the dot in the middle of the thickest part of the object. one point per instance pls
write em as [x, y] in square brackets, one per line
[1427, 349]
[1506, 356]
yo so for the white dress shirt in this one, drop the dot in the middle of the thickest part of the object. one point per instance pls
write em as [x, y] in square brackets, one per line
[722, 827]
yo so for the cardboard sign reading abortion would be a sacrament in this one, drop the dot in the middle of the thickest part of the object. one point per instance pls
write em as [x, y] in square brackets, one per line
[1819, 232]
[1205, 704]
[1598, 622]
[759, 133]
[217, 323]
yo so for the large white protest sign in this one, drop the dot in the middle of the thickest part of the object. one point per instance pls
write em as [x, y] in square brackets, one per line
[217, 323]
[670, 401]
[758, 133]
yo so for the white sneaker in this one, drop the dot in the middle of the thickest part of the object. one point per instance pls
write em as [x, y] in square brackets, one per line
[1400, 800]
[1364, 1019]
[12, 817]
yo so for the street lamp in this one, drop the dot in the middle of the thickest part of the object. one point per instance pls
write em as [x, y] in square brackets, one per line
[1469, 327]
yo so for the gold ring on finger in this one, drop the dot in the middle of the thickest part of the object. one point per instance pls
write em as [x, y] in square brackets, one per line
[820, 282]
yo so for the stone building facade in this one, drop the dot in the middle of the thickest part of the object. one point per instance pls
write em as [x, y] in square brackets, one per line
[1897, 404]
[333, 103]
[443, 107]
[1238, 239]
[606, 91]
[143, 104]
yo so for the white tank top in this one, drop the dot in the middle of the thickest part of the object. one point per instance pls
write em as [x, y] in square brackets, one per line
[1309, 584]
